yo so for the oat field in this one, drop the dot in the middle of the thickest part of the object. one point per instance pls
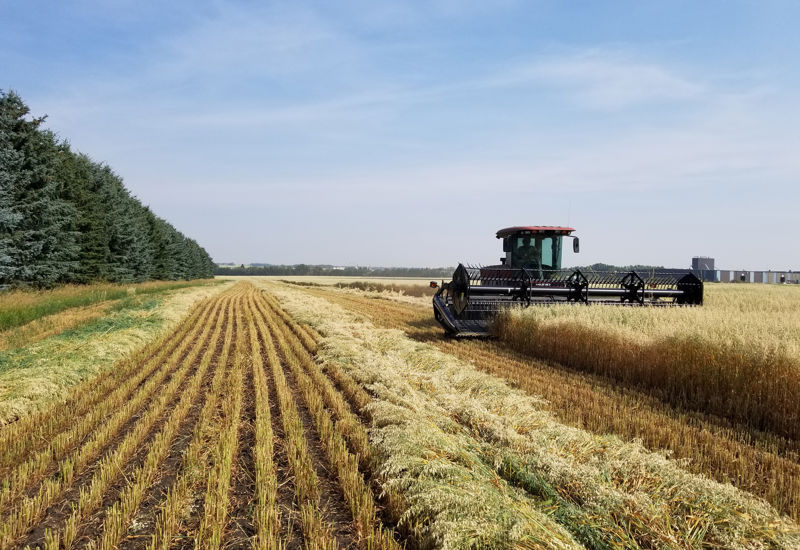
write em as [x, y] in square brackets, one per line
[284, 416]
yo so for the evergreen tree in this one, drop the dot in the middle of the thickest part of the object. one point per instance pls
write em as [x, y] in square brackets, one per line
[37, 242]
[66, 218]
[82, 190]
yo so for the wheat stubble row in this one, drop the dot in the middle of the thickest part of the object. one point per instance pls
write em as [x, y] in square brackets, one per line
[213, 437]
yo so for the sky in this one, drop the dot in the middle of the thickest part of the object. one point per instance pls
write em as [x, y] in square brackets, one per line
[401, 133]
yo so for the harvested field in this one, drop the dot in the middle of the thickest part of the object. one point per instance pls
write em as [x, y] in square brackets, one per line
[277, 419]
[82, 341]
[756, 461]
[214, 436]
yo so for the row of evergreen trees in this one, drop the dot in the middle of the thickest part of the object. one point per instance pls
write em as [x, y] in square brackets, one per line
[65, 218]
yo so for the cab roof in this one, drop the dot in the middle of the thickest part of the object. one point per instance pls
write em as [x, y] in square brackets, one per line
[552, 229]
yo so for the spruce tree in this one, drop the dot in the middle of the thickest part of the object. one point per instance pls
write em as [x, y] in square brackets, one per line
[81, 189]
[37, 241]
[66, 218]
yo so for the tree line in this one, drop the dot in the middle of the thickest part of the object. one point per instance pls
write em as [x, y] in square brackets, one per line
[65, 218]
[325, 270]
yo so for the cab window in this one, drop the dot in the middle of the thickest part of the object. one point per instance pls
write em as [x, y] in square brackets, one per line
[546, 246]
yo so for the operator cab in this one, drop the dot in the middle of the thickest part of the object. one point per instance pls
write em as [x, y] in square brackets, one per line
[535, 248]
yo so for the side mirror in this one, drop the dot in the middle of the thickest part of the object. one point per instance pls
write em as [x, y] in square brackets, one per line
[576, 245]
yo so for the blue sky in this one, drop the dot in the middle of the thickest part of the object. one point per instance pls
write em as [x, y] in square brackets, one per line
[407, 133]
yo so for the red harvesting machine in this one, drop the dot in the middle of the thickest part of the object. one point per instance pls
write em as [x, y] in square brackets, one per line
[531, 274]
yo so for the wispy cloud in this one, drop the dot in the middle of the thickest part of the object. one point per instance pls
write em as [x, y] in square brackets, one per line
[607, 79]
[250, 43]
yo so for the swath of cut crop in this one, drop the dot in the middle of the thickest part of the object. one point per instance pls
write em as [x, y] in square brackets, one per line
[757, 462]
[626, 495]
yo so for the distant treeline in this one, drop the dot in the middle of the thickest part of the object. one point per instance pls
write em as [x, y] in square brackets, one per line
[67, 219]
[354, 271]
[609, 267]
[323, 270]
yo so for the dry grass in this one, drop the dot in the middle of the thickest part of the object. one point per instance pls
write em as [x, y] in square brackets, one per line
[737, 357]
[759, 462]
[606, 492]
[33, 375]
[18, 307]
[51, 325]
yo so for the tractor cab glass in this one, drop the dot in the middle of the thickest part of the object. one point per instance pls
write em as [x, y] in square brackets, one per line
[540, 253]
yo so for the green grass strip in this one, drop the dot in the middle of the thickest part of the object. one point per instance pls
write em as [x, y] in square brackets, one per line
[21, 307]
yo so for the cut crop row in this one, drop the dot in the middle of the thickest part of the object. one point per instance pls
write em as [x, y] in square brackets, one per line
[131, 392]
[112, 467]
[122, 511]
[32, 509]
[215, 503]
[611, 493]
[757, 462]
[27, 435]
[193, 465]
[333, 435]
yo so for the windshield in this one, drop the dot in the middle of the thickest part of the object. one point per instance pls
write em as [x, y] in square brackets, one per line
[539, 253]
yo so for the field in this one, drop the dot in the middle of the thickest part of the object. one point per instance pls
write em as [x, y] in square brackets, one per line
[43, 358]
[37, 311]
[756, 460]
[283, 415]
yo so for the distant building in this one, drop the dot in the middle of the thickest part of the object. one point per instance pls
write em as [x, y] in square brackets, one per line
[703, 267]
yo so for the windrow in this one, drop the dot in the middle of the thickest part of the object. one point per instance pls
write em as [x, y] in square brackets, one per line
[460, 446]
